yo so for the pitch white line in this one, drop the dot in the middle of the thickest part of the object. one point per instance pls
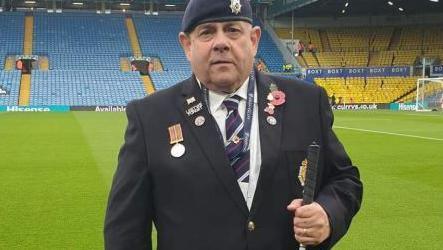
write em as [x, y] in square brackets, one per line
[389, 133]
[431, 115]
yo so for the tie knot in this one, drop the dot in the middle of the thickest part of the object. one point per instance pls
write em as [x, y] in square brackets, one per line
[231, 103]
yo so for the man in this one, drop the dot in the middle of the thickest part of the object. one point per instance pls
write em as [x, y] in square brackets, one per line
[213, 161]
[333, 99]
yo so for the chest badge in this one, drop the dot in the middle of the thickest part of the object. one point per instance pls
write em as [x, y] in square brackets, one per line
[302, 172]
[175, 137]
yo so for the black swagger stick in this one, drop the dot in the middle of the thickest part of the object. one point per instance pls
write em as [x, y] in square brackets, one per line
[308, 176]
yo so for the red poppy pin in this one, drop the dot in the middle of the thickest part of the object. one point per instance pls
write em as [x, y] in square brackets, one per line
[275, 98]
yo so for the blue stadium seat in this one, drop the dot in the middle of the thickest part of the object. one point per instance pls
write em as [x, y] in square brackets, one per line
[84, 51]
[10, 81]
[158, 36]
[81, 41]
[166, 79]
[85, 88]
[269, 52]
[11, 35]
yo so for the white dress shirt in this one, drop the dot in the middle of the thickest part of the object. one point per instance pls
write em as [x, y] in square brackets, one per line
[219, 112]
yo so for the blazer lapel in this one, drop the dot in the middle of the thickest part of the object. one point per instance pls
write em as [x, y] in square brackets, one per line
[209, 139]
[270, 139]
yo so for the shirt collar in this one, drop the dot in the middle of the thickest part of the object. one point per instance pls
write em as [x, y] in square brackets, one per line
[216, 99]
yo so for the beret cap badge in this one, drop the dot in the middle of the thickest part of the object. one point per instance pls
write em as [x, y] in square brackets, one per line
[205, 11]
[235, 6]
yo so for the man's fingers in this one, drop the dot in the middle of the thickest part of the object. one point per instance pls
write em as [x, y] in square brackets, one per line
[311, 224]
[301, 232]
[302, 222]
[309, 221]
[306, 241]
[295, 204]
[311, 210]
[303, 236]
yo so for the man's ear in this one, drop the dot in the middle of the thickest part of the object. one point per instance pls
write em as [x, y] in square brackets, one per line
[255, 38]
[185, 42]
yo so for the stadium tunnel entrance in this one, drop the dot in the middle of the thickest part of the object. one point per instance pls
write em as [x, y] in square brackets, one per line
[26, 64]
[144, 65]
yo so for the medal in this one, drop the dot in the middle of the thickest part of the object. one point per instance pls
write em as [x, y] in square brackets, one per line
[199, 121]
[178, 150]
[271, 120]
[175, 137]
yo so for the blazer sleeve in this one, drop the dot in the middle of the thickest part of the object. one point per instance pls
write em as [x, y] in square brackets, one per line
[128, 220]
[340, 192]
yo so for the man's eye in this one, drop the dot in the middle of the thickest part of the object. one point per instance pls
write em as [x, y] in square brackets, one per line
[204, 33]
[233, 30]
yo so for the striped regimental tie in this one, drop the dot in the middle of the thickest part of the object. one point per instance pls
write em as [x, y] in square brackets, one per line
[238, 159]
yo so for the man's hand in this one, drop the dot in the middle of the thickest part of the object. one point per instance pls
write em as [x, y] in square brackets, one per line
[311, 223]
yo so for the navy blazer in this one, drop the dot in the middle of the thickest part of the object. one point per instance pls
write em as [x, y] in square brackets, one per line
[195, 201]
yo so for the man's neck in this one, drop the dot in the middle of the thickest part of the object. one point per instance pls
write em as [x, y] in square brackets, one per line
[222, 91]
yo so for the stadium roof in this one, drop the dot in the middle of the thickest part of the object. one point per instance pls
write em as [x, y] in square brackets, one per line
[139, 5]
[339, 8]
[300, 8]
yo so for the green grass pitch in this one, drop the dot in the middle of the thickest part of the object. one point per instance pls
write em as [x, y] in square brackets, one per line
[56, 170]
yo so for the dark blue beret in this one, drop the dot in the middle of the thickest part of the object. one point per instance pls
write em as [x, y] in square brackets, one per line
[204, 11]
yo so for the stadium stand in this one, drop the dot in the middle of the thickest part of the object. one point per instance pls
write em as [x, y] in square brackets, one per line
[433, 39]
[25, 90]
[158, 37]
[342, 59]
[367, 90]
[348, 38]
[10, 82]
[359, 59]
[361, 47]
[164, 44]
[311, 60]
[11, 44]
[330, 59]
[11, 35]
[381, 38]
[132, 33]
[411, 38]
[165, 79]
[433, 36]
[381, 58]
[268, 51]
[359, 39]
[303, 34]
[84, 52]
[370, 46]
[85, 48]
[433, 91]
[28, 34]
[85, 87]
[71, 43]
[405, 57]
[81, 41]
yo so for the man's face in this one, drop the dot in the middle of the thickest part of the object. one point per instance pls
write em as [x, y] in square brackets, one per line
[221, 53]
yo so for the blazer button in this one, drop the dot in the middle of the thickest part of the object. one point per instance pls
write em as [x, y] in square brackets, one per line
[251, 226]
